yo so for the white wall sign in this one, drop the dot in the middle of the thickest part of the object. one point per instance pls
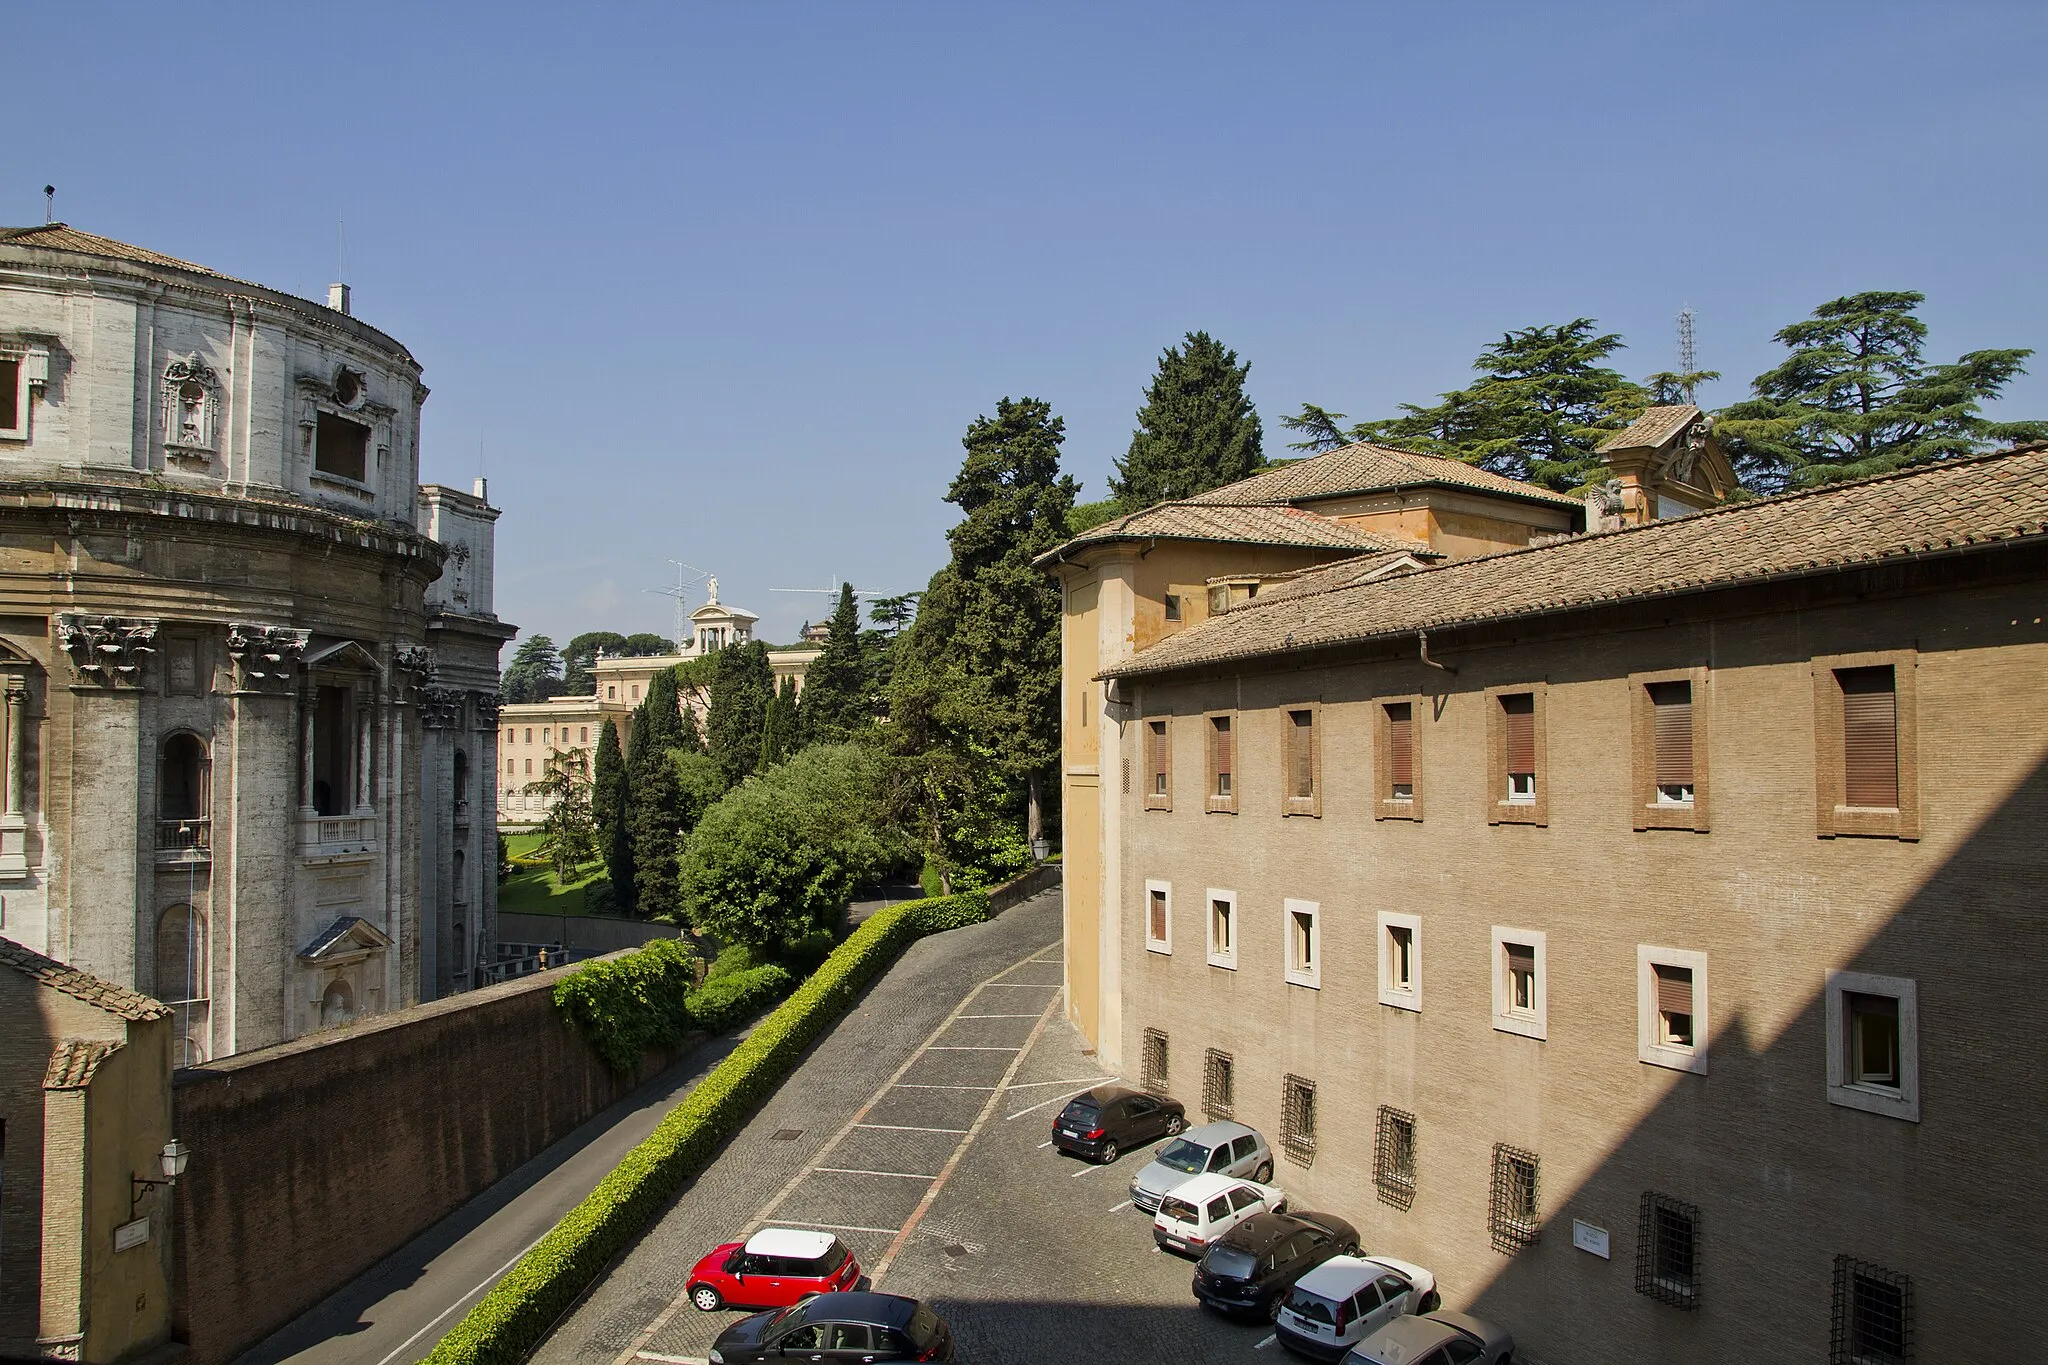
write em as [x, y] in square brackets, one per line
[131, 1234]
[1586, 1237]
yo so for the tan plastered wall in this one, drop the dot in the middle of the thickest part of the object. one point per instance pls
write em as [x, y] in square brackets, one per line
[1784, 1180]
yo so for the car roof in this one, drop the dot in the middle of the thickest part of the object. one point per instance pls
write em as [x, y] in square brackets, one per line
[888, 1310]
[1404, 1339]
[798, 1244]
[1208, 1185]
[1260, 1231]
[1210, 1134]
[1339, 1277]
[1103, 1094]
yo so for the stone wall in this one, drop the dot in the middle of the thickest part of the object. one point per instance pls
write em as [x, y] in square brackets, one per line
[581, 933]
[1024, 886]
[314, 1159]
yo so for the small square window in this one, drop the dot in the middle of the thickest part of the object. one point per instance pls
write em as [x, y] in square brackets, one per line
[1513, 1214]
[1520, 983]
[1301, 920]
[1173, 606]
[1152, 1065]
[1667, 1251]
[1671, 1008]
[1222, 928]
[611, 691]
[1393, 1157]
[1218, 1083]
[1400, 960]
[1873, 1315]
[1298, 1119]
[1159, 917]
[1874, 1043]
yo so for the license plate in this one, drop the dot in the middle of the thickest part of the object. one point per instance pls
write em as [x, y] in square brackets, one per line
[1069, 1132]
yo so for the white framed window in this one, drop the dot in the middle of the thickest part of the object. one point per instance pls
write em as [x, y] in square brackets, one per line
[1873, 1027]
[23, 370]
[1520, 981]
[1400, 960]
[1222, 928]
[1158, 916]
[1671, 1008]
[1302, 923]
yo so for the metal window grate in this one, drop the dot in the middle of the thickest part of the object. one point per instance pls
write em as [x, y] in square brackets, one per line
[1152, 1065]
[1393, 1157]
[1668, 1251]
[1298, 1119]
[1873, 1315]
[1218, 1084]
[1512, 1211]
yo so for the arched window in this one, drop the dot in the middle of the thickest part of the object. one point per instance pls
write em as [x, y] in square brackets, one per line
[338, 1005]
[182, 789]
[461, 878]
[461, 778]
[180, 955]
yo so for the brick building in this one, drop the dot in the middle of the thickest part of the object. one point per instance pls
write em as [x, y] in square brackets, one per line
[1632, 927]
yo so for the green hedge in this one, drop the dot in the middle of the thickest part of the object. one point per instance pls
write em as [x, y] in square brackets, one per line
[523, 1306]
[719, 1004]
[626, 1005]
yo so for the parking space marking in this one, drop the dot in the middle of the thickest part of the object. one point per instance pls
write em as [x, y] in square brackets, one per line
[1087, 1170]
[916, 1085]
[998, 1016]
[952, 1047]
[848, 1170]
[829, 1227]
[1055, 1100]
[908, 1128]
[1072, 1080]
[1121, 1207]
[672, 1360]
[1045, 1144]
[1267, 1342]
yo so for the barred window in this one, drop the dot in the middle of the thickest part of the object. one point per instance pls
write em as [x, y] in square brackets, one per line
[1298, 1118]
[1393, 1157]
[1512, 1212]
[1668, 1251]
[1873, 1315]
[1152, 1068]
[1217, 1084]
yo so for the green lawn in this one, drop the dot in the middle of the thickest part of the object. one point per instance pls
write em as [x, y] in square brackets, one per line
[534, 890]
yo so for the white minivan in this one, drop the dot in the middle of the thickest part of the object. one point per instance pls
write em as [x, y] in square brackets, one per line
[1201, 1209]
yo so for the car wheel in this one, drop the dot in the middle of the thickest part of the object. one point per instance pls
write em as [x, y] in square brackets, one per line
[1109, 1153]
[1271, 1312]
[1264, 1175]
[1174, 1123]
[1431, 1302]
[706, 1298]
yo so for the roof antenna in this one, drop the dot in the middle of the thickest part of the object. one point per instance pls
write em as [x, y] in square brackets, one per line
[1686, 364]
[49, 205]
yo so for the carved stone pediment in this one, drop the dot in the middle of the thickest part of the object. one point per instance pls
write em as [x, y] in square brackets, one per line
[265, 657]
[107, 651]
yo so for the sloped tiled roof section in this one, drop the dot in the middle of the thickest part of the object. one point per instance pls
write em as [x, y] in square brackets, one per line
[1367, 468]
[1652, 429]
[1963, 504]
[117, 1000]
[73, 1062]
[63, 237]
[1253, 525]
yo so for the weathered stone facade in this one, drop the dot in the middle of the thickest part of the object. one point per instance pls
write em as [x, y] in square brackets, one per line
[219, 651]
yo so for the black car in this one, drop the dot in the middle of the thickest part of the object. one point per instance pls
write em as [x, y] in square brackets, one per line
[835, 1328]
[1111, 1118]
[1248, 1271]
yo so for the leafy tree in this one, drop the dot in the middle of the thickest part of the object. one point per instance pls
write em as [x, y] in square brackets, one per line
[567, 833]
[894, 614]
[836, 701]
[1322, 430]
[699, 780]
[580, 654]
[1669, 387]
[1197, 429]
[740, 689]
[1543, 402]
[646, 645]
[1086, 516]
[1856, 397]
[535, 673]
[610, 803]
[780, 726]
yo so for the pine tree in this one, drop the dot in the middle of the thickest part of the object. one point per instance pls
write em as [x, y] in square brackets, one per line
[1855, 397]
[610, 802]
[740, 690]
[779, 726]
[580, 655]
[535, 673]
[836, 684]
[1197, 430]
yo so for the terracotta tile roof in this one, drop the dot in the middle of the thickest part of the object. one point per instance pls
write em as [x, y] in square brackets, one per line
[63, 237]
[1975, 502]
[73, 1061]
[1652, 429]
[1262, 524]
[79, 985]
[1367, 468]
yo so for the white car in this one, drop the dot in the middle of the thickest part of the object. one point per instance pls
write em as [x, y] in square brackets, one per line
[1348, 1298]
[1201, 1209]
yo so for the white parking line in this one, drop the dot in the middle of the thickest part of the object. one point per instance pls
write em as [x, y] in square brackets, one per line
[936, 1047]
[1045, 1144]
[848, 1170]
[912, 1085]
[1087, 1170]
[998, 1016]
[1121, 1207]
[908, 1128]
[671, 1360]
[1028, 985]
[830, 1227]
[1267, 1342]
[1076, 1080]
[1055, 1100]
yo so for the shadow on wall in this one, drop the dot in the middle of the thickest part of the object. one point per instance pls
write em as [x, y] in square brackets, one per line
[1943, 1217]
[24, 1061]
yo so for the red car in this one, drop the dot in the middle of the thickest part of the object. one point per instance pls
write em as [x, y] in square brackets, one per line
[773, 1269]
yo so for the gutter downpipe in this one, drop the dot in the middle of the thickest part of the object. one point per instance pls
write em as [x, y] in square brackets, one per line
[1422, 642]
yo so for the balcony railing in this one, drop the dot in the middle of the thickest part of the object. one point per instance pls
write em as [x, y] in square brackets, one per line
[184, 841]
[329, 835]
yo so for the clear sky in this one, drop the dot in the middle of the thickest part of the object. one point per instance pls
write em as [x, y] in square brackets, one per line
[725, 283]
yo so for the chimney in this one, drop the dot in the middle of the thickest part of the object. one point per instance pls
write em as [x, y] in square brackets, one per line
[337, 297]
[483, 489]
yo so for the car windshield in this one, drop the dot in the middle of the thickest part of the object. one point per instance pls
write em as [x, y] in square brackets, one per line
[1180, 1210]
[1182, 1155]
[1312, 1307]
[1232, 1263]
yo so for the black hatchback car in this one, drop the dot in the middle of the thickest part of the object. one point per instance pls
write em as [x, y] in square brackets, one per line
[837, 1327]
[1248, 1271]
[1111, 1119]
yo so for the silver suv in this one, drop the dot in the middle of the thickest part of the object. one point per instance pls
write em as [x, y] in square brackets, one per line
[1214, 1148]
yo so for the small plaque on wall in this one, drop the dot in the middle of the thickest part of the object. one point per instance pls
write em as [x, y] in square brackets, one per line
[1586, 1237]
[131, 1234]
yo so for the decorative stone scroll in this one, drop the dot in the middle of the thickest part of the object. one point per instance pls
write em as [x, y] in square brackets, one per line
[412, 668]
[441, 707]
[486, 704]
[265, 655]
[107, 651]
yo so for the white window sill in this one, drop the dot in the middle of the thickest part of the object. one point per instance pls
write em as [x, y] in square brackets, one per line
[1164, 950]
[1227, 961]
[1402, 1000]
[1313, 979]
[1876, 1099]
[1693, 1059]
[1526, 1026]
[344, 483]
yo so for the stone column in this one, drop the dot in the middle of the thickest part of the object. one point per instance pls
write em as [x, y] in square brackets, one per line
[308, 704]
[14, 819]
[17, 708]
[364, 724]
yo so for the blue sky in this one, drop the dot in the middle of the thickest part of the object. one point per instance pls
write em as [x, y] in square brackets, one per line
[726, 283]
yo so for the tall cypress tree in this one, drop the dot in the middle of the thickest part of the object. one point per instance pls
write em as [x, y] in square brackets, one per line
[779, 729]
[1197, 430]
[610, 802]
[836, 684]
[740, 691]
[656, 831]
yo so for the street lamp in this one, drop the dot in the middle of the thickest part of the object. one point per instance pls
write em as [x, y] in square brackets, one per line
[171, 1160]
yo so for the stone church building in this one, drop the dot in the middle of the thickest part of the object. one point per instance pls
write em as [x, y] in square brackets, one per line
[248, 664]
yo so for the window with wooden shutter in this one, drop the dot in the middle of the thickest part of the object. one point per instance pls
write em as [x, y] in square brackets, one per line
[1222, 763]
[1870, 737]
[1671, 737]
[1158, 774]
[1400, 752]
[1518, 709]
[1672, 997]
[1521, 966]
[1158, 917]
[1674, 1005]
[1301, 754]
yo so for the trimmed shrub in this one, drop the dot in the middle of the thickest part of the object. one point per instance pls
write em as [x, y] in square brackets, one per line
[521, 1308]
[719, 1004]
[626, 1005]
[736, 958]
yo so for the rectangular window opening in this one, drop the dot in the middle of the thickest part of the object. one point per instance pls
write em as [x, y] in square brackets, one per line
[1298, 1119]
[1157, 922]
[1513, 1212]
[1674, 1005]
[1393, 1157]
[1667, 1251]
[1218, 1083]
[341, 448]
[10, 395]
[1519, 711]
[1400, 751]
[1173, 606]
[1870, 737]
[1671, 734]
[1303, 940]
[1152, 1067]
[1158, 776]
[1301, 755]
[1521, 969]
[1873, 1039]
[1873, 1315]
[1221, 756]
[1222, 927]
[1400, 957]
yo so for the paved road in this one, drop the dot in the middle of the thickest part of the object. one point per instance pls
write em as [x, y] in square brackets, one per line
[917, 1131]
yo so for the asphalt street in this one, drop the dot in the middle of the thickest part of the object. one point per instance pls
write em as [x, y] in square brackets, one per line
[919, 1133]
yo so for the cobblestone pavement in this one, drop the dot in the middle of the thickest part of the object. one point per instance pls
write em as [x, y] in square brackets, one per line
[918, 1132]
